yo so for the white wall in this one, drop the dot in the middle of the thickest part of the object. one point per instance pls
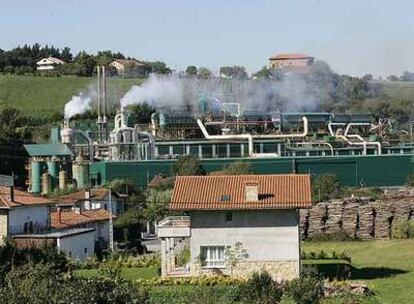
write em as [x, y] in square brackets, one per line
[266, 235]
[74, 246]
[39, 215]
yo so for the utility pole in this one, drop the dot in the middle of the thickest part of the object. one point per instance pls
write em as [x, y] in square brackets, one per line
[111, 223]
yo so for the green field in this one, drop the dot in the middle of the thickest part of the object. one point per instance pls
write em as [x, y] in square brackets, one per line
[387, 266]
[42, 96]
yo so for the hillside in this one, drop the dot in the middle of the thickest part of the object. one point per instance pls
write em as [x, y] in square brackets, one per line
[43, 96]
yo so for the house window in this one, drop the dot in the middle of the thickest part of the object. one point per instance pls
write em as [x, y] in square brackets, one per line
[212, 256]
[229, 216]
[85, 250]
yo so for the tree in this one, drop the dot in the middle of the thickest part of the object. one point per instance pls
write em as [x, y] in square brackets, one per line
[204, 73]
[191, 70]
[66, 55]
[325, 187]
[392, 78]
[142, 112]
[188, 165]
[159, 67]
[235, 168]
[237, 72]
[157, 204]
[263, 73]
[234, 255]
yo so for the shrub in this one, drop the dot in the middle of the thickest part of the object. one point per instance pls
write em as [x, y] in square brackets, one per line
[287, 300]
[337, 236]
[307, 289]
[410, 180]
[195, 295]
[403, 229]
[261, 288]
[325, 187]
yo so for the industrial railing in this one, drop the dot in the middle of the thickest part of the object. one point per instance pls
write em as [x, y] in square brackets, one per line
[174, 221]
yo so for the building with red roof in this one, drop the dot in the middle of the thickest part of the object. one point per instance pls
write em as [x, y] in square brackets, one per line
[256, 215]
[291, 61]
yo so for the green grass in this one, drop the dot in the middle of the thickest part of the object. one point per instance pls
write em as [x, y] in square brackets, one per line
[387, 266]
[127, 273]
[42, 96]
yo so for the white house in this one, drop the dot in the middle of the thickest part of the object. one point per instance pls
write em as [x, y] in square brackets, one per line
[22, 212]
[48, 64]
[257, 212]
[28, 220]
[76, 243]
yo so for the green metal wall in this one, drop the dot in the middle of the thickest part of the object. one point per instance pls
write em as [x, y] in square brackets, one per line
[384, 170]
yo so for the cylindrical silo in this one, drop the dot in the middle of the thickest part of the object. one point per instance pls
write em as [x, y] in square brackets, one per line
[35, 176]
[62, 180]
[46, 184]
[80, 174]
[52, 167]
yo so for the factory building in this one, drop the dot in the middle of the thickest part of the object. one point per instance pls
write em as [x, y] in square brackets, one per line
[291, 61]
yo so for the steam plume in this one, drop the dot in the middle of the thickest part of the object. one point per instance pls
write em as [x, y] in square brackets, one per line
[80, 103]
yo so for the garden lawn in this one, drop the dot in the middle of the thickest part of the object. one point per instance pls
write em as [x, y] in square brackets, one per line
[387, 266]
[132, 273]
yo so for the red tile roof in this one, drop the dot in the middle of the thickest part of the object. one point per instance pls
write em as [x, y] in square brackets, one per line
[21, 199]
[228, 192]
[70, 218]
[290, 56]
[96, 194]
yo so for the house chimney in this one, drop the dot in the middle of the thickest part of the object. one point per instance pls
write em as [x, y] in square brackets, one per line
[59, 215]
[252, 191]
[11, 189]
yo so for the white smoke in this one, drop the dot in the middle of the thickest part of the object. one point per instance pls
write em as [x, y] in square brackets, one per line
[80, 103]
[293, 92]
[162, 90]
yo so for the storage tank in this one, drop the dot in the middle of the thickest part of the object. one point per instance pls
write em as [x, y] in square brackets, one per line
[66, 135]
[62, 180]
[46, 184]
[36, 176]
[80, 175]
[52, 167]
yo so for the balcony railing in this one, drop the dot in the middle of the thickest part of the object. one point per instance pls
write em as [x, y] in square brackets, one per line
[174, 226]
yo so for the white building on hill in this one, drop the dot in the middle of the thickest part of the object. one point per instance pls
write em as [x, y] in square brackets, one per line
[48, 64]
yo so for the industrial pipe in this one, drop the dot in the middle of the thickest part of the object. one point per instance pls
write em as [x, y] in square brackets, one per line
[249, 137]
[290, 135]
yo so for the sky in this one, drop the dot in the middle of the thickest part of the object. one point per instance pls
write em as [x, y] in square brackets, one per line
[355, 37]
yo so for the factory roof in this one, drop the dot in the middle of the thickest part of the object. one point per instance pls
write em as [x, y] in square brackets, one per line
[71, 218]
[20, 198]
[48, 150]
[98, 194]
[290, 56]
[228, 192]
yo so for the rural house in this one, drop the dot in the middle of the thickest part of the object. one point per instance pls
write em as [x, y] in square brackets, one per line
[129, 67]
[255, 214]
[48, 64]
[22, 212]
[93, 199]
[291, 61]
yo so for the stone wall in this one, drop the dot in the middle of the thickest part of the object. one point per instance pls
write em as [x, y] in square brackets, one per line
[362, 218]
[279, 270]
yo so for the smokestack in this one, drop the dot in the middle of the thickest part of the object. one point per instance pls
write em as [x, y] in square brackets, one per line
[104, 93]
[98, 72]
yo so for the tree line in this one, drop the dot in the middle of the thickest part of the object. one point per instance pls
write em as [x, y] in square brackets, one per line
[22, 60]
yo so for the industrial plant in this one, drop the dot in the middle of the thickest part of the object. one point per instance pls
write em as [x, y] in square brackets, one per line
[218, 127]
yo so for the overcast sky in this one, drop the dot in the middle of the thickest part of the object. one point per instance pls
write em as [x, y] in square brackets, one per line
[354, 36]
